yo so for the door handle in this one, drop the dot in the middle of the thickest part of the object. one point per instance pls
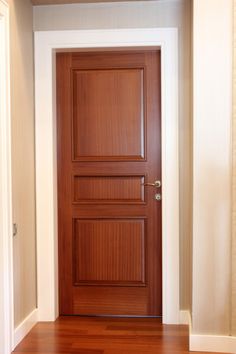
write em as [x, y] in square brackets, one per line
[156, 184]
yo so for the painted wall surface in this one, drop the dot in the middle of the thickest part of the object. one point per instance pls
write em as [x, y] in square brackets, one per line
[22, 109]
[212, 97]
[169, 13]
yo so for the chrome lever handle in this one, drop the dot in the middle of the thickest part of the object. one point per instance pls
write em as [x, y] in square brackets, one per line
[156, 184]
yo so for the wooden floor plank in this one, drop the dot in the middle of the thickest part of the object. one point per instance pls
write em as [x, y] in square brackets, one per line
[84, 335]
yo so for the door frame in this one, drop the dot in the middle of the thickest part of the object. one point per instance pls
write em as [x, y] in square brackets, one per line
[6, 247]
[46, 45]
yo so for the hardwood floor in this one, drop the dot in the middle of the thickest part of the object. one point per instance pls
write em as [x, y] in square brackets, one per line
[83, 335]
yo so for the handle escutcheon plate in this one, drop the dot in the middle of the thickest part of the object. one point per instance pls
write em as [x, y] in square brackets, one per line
[157, 196]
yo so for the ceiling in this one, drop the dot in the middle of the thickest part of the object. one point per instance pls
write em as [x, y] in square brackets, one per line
[54, 2]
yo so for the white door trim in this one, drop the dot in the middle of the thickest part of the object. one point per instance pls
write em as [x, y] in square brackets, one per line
[46, 43]
[6, 275]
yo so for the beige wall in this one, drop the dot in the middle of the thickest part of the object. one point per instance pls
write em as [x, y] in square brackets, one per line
[22, 109]
[173, 13]
[212, 166]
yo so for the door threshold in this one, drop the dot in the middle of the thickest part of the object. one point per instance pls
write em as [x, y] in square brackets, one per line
[112, 316]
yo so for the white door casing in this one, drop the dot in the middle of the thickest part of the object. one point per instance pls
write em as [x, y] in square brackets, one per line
[46, 44]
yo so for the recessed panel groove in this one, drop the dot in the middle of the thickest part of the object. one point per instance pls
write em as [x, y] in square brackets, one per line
[109, 252]
[109, 189]
[108, 114]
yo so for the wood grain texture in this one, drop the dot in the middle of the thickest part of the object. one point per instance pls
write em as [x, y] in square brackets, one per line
[109, 252]
[80, 335]
[108, 189]
[108, 114]
[130, 301]
[109, 125]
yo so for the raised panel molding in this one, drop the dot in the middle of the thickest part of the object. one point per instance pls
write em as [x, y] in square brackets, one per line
[109, 252]
[93, 108]
[109, 189]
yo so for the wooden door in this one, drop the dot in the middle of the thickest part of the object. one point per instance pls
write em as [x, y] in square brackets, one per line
[109, 145]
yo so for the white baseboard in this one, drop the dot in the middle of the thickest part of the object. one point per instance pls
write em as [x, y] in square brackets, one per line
[24, 327]
[211, 343]
[207, 343]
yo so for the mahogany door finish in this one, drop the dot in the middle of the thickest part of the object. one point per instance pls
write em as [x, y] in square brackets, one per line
[109, 147]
